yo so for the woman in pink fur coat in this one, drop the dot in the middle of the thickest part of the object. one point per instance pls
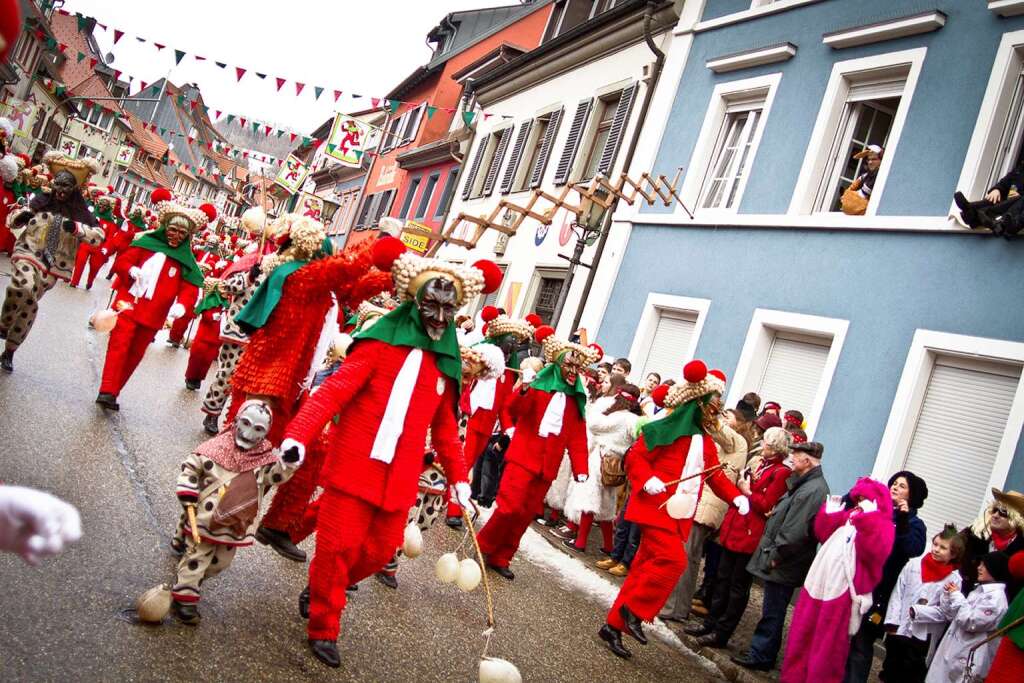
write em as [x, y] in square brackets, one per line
[856, 533]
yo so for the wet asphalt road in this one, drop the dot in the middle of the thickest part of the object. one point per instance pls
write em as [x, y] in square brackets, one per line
[66, 619]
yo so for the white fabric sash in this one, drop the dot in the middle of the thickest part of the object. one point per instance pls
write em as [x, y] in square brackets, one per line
[482, 395]
[694, 465]
[386, 441]
[551, 423]
[145, 284]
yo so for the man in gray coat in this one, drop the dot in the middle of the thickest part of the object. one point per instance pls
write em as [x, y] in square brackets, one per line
[786, 552]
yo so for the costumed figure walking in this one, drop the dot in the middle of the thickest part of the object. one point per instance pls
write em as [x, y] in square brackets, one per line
[157, 279]
[676, 448]
[10, 168]
[95, 256]
[549, 419]
[400, 378]
[53, 225]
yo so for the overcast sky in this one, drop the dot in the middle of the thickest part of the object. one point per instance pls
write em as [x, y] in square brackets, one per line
[356, 46]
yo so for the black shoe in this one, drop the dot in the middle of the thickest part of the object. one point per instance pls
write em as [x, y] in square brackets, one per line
[178, 546]
[503, 572]
[570, 543]
[281, 543]
[326, 651]
[698, 631]
[453, 522]
[1000, 225]
[967, 212]
[563, 532]
[713, 640]
[210, 424]
[193, 384]
[7, 361]
[388, 580]
[187, 613]
[634, 626]
[748, 662]
[353, 588]
[613, 639]
[108, 401]
[304, 603]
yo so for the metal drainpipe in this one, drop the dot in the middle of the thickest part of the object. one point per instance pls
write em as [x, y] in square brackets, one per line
[659, 62]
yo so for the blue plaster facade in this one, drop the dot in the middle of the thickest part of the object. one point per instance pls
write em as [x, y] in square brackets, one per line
[886, 283]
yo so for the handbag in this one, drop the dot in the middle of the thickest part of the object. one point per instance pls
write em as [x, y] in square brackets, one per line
[613, 471]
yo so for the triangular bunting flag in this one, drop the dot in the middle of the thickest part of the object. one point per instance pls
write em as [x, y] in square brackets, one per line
[193, 104]
[79, 58]
[255, 126]
[231, 117]
[358, 153]
[93, 62]
[217, 113]
[305, 141]
[81, 21]
[431, 111]
[61, 90]
[140, 39]
[394, 105]
[51, 44]
[102, 26]
[331, 148]
[337, 94]
[468, 117]
[354, 96]
[292, 136]
[317, 92]
[117, 35]
[280, 82]
[298, 88]
[239, 72]
[178, 56]
[117, 74]
[261, 76]
[143, 85]
[181, 100]
[198, 58]
[221, 64]
[267, 129]
[158, 46]
[280, 133]
[375, 102]
[62, 47]
[163, 132]
[487, 116]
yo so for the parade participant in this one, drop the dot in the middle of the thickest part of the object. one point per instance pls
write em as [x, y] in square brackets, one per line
[487, 401]
[206, 343]
[119, 239]
[95, 256]
[210, 262]
[34, 524]
[400, 378]
[157, 278]
[549, 416]
[54, 223]
[223, 482]
[1008, 664]
[837, 591]
[674, 447]
[10, 167]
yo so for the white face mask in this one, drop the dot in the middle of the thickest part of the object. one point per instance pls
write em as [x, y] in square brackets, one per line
[251, 426]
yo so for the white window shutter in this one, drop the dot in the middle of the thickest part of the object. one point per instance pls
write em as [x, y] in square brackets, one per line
[537, 172]
[959, 427]
[579, 120]
[672, 336]
[517, 155]
[792, 373]
[467, 189]
[611, 147]
[499, 156]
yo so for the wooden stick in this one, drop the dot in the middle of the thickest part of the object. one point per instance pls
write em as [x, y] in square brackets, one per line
[193, 524]
[483, 568]
[709, 470]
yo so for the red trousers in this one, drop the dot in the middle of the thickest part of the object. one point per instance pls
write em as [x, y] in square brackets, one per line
[179, 327]
[291, 510]
[94, 257]
[200, 357]
[125, 349]
[653, 575]
[6, 240]
[520, 499]
[474, 447]
[354, 539]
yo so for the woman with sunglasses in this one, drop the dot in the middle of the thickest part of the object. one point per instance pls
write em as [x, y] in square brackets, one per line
[999, 528]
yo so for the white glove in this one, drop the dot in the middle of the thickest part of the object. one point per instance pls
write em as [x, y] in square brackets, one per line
[135, 272]
[529, 375]
[654, 486]
[742, 504]
[288, 455]
[868, 505]
[510, 432]
[177, 310]
[463, 495]
[103, 250]
[35, 524]
[581, 478]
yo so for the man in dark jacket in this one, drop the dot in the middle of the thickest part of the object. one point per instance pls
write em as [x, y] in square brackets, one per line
[1000, 210]
[786, 552]
[908, 493]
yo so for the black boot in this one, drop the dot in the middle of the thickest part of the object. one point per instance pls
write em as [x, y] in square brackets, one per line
[193, 384]
[304, 603]
[503, 572]
[388, 580]
[713, 640]
[453, 522]
[108, 401]
[187, 613]
[968, 211]
[613, 639]
[634, 626]
[326, 651]
[7, 361]
[178, 546]
[698, 631]
[281, 543]
[210, 424]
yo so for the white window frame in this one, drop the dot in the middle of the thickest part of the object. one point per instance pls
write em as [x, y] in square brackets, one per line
[764, 325]
[817, 161]
[988, 130]
[906, 404]
[657, 304]
[714, 118]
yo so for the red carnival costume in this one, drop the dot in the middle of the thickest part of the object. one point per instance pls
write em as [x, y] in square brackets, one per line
[95, 256]
[549, 420]
[669, 449]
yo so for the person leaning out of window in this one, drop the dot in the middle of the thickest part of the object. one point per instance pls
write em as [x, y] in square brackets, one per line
[855, 199]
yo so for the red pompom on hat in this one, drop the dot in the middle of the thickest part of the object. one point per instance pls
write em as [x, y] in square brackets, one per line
[210, 210]
[597, 347]
[160, 194]
[110, 189]
[492, 275]
[1016, 565]
[543, 332]
[534, 320]
[659, 394]
[695, 371]
[489, 313]
[386, 251]
[718, 373]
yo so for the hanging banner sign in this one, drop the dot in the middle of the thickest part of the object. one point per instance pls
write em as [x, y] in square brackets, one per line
[68, 146]
[125, 154]
[350, 138]
[310, 205]
[21, 114]
[292, 174]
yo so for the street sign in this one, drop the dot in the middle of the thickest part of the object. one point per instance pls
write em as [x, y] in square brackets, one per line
[416, 236]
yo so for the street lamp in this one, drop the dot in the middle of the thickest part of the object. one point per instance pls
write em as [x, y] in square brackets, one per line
[586, 228]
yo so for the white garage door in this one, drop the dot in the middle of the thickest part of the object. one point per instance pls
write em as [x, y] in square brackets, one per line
[792, 372]
[672, 336]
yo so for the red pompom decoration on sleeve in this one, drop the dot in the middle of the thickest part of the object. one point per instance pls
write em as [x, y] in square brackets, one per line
[695, 371]
[386, 251]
